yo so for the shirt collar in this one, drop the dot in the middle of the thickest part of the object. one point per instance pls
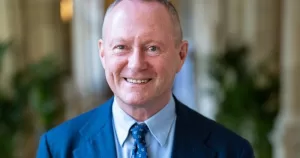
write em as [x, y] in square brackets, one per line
[122, 122]
[159, 124]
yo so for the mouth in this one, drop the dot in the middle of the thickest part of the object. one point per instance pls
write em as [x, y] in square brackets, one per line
[137, 81]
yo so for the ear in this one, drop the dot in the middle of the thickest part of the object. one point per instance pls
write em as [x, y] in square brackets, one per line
[182, 54]
[101, 52]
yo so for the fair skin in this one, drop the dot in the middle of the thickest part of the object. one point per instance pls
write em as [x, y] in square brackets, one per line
[140, 56]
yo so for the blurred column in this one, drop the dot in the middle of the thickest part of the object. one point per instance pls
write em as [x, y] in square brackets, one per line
[234, 14]
[88, 73]
[43, 29]
[207, 28]
[4, 17]
[261, 29]
[255, 24]
[7, 64]
[287, 132]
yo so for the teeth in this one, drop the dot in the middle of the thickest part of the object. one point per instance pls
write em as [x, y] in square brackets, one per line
[136, 81]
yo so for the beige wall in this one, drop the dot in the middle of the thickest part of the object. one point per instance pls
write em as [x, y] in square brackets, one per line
[286, 136]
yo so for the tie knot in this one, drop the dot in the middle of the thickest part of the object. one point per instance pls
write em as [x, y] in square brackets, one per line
[139, 131]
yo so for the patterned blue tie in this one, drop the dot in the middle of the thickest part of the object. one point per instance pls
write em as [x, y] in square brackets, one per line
[138, 132]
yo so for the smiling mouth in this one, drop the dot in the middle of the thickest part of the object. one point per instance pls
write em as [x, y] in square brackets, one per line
[137, 81]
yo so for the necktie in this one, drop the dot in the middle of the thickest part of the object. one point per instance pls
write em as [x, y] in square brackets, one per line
[138, 132]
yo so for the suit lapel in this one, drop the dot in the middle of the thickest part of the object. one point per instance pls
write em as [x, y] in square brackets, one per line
[104, 144]
[98, 134]
[189, 140]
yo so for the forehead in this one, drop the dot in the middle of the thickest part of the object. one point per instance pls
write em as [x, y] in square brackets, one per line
[136, 18]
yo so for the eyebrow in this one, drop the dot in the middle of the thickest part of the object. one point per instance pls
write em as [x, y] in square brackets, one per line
[117, 40]
[122, 40]
[159, 42]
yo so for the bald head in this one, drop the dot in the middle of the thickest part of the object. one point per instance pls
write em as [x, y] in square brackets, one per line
[173, 15]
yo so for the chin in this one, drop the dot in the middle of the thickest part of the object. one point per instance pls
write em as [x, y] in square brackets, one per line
[135, 99]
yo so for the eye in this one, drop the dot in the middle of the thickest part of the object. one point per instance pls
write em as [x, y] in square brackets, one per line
[152, 48]
[120, 47]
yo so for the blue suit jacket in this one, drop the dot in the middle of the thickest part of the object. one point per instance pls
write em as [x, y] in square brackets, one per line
[91, 135]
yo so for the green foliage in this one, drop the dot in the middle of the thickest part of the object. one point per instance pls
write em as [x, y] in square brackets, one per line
[35, 89]
[40, 83]
[3, 49]
[248, 97]
[9, 118]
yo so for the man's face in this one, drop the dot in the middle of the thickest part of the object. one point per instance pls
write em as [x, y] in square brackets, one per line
[139, 53]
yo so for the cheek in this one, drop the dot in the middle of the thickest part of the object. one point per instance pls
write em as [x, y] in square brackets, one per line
[115, 65]
[166, 71]
[169, 64]
[113, 68]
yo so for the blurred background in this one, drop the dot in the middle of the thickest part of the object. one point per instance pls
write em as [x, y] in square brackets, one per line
[243, 68]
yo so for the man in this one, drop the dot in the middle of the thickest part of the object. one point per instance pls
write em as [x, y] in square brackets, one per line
[141, 51]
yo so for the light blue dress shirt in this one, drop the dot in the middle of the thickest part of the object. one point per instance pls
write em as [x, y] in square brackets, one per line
[160, 138]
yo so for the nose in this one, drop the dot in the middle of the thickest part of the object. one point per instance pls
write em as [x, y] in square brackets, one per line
[137, 61]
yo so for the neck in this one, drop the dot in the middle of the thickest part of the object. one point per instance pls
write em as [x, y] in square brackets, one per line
[142, 112]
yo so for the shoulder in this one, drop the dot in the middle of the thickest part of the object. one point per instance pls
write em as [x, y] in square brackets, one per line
[57, 141]
[71, 127]
[217, 131]
[67, 134]
[220, 138]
